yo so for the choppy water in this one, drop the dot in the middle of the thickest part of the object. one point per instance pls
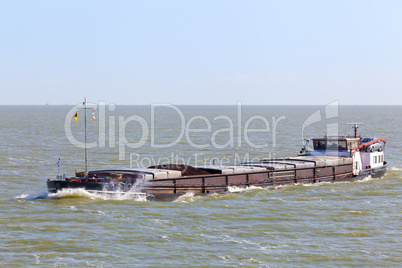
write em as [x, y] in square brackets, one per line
[344, 224]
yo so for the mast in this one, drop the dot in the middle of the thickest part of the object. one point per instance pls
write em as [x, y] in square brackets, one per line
[85, 124]
[355, 126]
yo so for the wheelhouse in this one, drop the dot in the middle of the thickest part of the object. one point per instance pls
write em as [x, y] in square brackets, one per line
[332, 145]
[335, 144]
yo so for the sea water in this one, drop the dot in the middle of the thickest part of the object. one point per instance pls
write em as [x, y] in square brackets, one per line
[330, 225]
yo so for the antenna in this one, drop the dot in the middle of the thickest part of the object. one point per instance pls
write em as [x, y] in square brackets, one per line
[355, 126]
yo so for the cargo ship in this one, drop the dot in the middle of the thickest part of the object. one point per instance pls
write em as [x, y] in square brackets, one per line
[332, 159]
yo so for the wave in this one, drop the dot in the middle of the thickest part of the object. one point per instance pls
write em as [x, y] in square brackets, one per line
[395, 168]
[187, 198]
[81, 193]
[235, 189]
[365, 179]
[43, 195]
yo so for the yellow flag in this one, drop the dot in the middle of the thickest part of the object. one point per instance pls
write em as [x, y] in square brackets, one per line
[76, 116]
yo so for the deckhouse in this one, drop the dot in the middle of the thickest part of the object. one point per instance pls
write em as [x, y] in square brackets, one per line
[333, 145]
[367, 153]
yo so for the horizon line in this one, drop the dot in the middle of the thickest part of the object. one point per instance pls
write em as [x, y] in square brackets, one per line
[66, 104]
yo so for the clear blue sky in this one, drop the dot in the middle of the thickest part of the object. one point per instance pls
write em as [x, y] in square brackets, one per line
[201, 52]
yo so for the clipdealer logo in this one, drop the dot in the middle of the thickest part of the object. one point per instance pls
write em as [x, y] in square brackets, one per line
[187, 130]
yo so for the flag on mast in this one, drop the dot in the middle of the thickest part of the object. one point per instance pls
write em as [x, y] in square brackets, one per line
[93, 114]
[76, 116]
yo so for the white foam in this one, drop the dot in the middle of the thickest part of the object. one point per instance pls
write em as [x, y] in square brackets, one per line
[235, 189]
[395, 168]
[70, 193]
[368, 178]
[43, 195]
[82, 193]
[23, 196]
[186, 198]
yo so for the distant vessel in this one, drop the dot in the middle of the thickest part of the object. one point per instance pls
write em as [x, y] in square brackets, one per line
[333, 159]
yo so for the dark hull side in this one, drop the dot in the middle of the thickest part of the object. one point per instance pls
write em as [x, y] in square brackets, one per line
[171, 189]
[374, 173]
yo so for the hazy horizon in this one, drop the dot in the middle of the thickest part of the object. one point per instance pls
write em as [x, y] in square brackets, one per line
[312, 105]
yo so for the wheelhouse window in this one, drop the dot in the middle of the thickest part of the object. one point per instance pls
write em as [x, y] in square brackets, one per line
[342, 145]
[336, 145]
[354, 144]
[320, 144]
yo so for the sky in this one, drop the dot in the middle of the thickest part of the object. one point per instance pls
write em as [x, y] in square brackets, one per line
[201, 52]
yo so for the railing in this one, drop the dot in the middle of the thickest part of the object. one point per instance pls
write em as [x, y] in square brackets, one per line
[367, 144]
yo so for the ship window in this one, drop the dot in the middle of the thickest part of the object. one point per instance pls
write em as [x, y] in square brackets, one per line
[342, 145]
[332, 145]
[336, 145]
[320, 145]
[355, 143]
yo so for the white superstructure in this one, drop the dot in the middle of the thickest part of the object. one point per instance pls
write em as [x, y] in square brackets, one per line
[367, 157]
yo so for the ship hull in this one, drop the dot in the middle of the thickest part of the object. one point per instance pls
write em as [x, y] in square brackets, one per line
[374, 173]
[171, 189]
